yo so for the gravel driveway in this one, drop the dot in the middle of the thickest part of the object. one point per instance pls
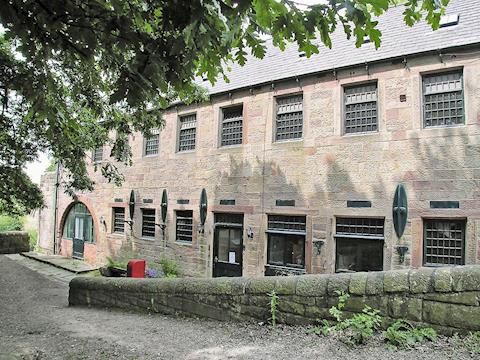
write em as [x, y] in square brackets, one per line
[36, 323]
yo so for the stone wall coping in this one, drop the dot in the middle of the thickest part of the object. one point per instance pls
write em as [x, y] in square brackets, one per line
[414, 281]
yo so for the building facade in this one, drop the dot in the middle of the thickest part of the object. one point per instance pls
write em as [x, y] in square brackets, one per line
[300, 171]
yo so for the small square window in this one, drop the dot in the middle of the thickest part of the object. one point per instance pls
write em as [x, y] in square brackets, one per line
[148, 223]
[289, 122]
[360, 112]
[187, 132]
[97, 155]
[119, 220]
[232, 126]
[443, 242]
[443, 99]
[184, 230]
[151, 143]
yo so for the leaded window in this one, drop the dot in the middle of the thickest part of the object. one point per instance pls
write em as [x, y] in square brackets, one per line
[119, 220]
[232, 126]
[97, 155]
[184, 219]
[148, 223]
[79, 224]
[360, 113]
[151, 143]
[359, 244]
[286, 241]
[444, 242]
[187, 132]
[443, 99]
[289, 123]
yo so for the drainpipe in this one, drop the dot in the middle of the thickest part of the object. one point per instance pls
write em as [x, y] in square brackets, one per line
[55, 209]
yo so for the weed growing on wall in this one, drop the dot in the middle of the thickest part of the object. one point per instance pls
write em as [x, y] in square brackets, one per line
[170, 268]
[273, 307]
[403, 334]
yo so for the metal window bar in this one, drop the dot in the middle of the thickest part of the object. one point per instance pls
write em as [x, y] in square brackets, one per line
[188, 132]
[289, 123]
[443, 99]
[118, 220]
[151, 143]
[232, 126]
[287, 223]
[444, 242]
[184, 226]
[98, 154]
[360, 109]
[148, 222]
[361, 227]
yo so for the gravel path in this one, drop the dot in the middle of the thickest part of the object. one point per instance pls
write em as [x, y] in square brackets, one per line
[36, 323]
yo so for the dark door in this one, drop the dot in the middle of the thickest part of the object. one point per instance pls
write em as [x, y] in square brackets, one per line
[78, 238]
[228, 245]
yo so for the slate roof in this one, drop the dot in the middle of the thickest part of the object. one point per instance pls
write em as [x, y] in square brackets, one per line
[397, 40]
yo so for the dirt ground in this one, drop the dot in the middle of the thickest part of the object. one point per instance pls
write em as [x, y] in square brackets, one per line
[36, 323]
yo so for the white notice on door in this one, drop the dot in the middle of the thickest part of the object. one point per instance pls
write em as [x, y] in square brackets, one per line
[231, 257]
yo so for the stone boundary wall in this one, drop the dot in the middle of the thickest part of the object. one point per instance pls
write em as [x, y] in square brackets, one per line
[445, 298]
[14, 242]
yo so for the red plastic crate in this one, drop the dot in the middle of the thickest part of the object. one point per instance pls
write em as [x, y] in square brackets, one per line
[136, 268]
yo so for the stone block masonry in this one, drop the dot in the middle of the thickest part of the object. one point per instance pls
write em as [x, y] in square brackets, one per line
[14, 242]
[445, 298]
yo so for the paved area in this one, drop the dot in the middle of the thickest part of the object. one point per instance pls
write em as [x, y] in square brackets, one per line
[44, 269]
[73, 265]
[36, 323]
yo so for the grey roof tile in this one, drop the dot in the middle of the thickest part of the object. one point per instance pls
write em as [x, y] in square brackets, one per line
[397, 40]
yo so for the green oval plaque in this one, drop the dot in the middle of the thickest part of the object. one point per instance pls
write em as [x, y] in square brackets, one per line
[131, 204]
[164, 205]
[203, 207]
[400, 210]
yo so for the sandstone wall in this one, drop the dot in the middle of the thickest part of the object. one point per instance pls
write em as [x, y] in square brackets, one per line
[14, 242]
[446, 298]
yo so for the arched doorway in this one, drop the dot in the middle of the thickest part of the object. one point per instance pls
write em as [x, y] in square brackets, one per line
[79, 228]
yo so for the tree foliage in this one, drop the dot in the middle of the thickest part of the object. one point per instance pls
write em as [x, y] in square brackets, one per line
[78, 74]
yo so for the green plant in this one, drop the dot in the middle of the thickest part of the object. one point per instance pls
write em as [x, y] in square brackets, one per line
[273, 307]
[324, 328]
[360, 327]
[403, 334]
[170, 268]
[119, 264]
[11, 223]
[472, 342]
[33, 239]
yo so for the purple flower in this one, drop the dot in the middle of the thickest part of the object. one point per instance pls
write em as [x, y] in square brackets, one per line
[151, 273]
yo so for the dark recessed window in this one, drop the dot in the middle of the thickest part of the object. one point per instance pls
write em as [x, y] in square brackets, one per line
[360, 113]
[119, 220]
[148, 223]
[187, 132]
[289, 123]
[443, 242]
[232, 125]
[443, 99]
[286, 241]
[151, 143]
[359, 244]
[184, 225]
[97, 155]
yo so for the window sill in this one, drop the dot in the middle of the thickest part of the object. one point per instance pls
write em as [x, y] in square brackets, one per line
[183, 243]
[455, 126]
[365, 133]
[288, 141]
[117, 234]
[186, 152]
[232, 147]
[150, 156]
[147, 238]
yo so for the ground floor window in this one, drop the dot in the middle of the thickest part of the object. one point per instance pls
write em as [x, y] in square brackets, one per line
[443, 242]
[148, 223]
[118, 220]
[286, 241]
[79, 224]
[359, 244]
[184, 222]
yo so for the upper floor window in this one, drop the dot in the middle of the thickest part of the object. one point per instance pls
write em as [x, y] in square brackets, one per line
[151, 143]
[187, 132]
[289, 122]
[443, 242]
[97, 154]
[118, 220]
[443, 99]
[232, 125]
[148, 223]
[360, 113]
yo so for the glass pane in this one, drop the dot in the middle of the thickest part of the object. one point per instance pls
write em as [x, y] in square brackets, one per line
[295, 251]
[223, 244]
[359, 255]
[235, 245]
[79, 228]
[88, 232]
[70, 225]
[276, 249]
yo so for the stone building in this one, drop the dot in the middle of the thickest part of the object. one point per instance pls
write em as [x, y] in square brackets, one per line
[300, 159]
